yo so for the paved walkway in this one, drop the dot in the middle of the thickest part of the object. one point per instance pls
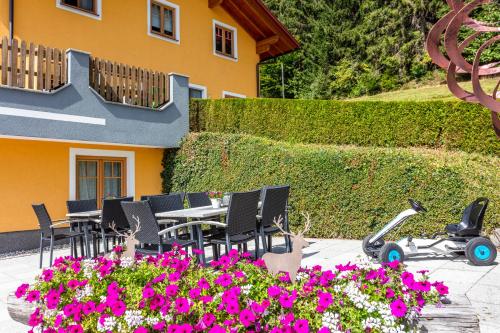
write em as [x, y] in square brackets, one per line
[480, 284]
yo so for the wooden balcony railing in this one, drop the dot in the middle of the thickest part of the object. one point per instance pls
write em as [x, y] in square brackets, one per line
[35, 67]
[128, 84]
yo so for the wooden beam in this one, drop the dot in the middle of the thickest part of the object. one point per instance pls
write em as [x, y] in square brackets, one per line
[214, 3]
[264, 45]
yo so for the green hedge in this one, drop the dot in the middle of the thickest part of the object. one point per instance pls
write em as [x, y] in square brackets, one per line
[349, 191]
[433, 124]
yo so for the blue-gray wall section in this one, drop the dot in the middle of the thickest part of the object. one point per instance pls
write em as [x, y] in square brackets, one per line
[124, 124]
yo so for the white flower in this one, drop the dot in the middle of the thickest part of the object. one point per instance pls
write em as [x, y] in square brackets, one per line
[152, 321]
[82, 293]
[127, 262]
[133, 318]
[108, 325]
[246, 289]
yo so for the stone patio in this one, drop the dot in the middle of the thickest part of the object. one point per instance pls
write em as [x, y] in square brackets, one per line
[481, 285]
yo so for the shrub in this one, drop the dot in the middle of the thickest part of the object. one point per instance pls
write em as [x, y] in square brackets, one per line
[171, 294]
[349, 191]
[433, 124]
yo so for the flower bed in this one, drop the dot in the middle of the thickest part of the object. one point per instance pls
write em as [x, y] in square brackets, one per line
[171, 293]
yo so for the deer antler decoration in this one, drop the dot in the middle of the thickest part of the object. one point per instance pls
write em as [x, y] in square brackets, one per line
[288, 262]
[129, 237]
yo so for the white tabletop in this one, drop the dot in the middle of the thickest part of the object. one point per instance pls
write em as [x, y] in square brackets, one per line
[195, 213]
[92, 213]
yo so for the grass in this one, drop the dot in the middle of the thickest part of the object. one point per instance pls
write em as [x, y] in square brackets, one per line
[426, 93]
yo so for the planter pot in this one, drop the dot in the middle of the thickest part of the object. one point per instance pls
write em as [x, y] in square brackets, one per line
[215, 203]
[19, 309]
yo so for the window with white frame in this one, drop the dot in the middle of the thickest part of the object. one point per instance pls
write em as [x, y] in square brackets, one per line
[90, 8]
[228, 94]
[197, 91]
[225, 40]
[163, 20]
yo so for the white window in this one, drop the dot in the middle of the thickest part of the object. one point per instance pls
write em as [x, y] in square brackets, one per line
[197, 91]
[89, 8]
[164, 20]
[228, 94]
[225, 40]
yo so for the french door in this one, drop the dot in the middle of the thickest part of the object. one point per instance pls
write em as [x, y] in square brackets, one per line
[100, 178]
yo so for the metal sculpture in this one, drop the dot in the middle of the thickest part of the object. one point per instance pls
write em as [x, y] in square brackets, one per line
[454, 62]
[288, 262]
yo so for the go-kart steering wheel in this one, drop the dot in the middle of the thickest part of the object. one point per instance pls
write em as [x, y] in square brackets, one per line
[417, 206]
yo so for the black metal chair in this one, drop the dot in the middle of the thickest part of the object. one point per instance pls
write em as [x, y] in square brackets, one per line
[241, 221]
[198, 199]
[149, 233]
[47, 231]
[78, 206]
[167, 203]
[146, 197]
[113, 217]
[274, 205]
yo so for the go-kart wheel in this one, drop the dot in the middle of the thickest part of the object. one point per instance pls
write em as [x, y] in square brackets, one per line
[391, 252]
[371, 250]
[480, 251]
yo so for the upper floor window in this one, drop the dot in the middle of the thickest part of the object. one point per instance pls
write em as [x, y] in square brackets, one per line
[225, 40]
[85, 5]
[89, 8]
[163, 20]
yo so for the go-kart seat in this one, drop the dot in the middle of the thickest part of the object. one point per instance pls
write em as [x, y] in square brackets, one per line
[472, 220]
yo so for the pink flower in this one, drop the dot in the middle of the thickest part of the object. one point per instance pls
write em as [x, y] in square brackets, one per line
[247, 317]
[75, 329]
[76, 267]
[324, 330]
[171, 290]
[398, 308]
[224, 280]
[217, 329]
[392, 265]
[182, 305]
[286, 300]
[141, 329]
[52, 299]
[175, 276]
[88, 308]
[203, 284]
[73, 284]
[274, 291]
[160, 326]
[21, 290]
[47, 275]
[208, 319]
[194, 293]
[389, 293]
[325, 299]
[441, 288]
[407, 279]
[33, 296]
[118, 308]
[159, 278]
[148, 292]
[35, 318]
[287, 319]
[424, 286]
[301, 326]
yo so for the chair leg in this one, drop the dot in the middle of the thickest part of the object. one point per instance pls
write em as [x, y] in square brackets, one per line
[41, 251]
[256, 238]
[288, 243]
[245, 247]
[228, 244]
[263, 237]
[270, 243]
[51, 250]
[215, 251]
[71, 247]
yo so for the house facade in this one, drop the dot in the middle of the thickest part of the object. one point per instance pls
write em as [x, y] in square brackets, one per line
[92, 91]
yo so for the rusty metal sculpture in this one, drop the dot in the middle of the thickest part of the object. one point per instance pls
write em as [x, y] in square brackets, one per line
[454, 62]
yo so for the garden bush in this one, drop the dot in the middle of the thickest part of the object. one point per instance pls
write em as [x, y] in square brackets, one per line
[433, 124]
[170, 293]
[349, 191]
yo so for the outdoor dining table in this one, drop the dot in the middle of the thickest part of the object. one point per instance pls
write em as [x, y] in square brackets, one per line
[197, 213]
[83, 219]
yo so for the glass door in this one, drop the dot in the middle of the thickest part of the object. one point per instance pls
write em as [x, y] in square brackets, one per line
[100, 178]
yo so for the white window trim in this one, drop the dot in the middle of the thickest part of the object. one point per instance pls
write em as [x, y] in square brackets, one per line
[130, 158]
[232, 94]
[235, 38]
[97, 16]
[203, 89]
[177, 36]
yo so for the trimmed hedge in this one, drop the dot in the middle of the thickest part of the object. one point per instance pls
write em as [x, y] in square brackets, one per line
[434, 124]
[349, 191]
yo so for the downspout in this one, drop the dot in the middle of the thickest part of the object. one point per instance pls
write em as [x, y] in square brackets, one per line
[11, 19]
[258, 79]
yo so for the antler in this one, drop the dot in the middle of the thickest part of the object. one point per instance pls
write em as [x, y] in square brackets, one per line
[279, 224]
[307, 227]
[128, 234]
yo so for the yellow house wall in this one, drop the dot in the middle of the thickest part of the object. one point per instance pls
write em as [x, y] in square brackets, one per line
[121, 35]
[38, 171]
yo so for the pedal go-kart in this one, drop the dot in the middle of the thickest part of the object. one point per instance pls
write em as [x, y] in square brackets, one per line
[461, 238]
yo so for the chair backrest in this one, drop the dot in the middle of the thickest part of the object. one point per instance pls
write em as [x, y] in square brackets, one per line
[198, 199]
[274, 201]
[166, 203]
[112, 212]
[146, 197]
[78, 206]
[242, 212]
[44, 220]
[141, 211]
[473, 216]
